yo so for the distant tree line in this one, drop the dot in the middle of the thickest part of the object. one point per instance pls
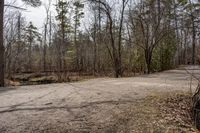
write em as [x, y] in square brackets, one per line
[100, 37]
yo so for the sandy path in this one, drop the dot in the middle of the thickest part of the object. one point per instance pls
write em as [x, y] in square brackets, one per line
[83, 106]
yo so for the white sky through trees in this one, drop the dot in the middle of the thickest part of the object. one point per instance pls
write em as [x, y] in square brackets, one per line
[36, 15]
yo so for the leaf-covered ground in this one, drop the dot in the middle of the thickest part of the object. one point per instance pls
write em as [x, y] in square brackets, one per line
[159, 113]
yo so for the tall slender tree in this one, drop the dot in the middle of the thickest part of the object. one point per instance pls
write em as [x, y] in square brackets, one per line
[1, 44]
[78, 14]
[116, 46]
[31, 35]
[34, 3]
[62, 8]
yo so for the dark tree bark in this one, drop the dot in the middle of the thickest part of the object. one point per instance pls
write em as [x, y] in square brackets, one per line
[30, 52]
[1, 44]
[193, 41]
[193, 34]
[124, 2]
[45, 47]
[116, 48]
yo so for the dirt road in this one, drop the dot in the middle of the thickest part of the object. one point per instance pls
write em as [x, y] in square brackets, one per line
[84, 106]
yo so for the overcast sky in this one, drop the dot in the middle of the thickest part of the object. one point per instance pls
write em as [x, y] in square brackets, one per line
[36, 15]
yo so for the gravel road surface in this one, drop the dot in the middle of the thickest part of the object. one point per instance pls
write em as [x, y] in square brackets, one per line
[83, 106]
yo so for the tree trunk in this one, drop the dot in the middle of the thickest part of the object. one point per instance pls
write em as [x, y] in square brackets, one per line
[193, 42]
[99, 38]
[117, 68]
[185, 48]
[1, 44]
[148, 56]
[177, 33]
[17, 62]
[30, 53]
[50, 47]
[193, 34]
[120, 39]
[76, 44]
[45, 48]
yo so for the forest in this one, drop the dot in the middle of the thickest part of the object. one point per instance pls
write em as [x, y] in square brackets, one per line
[120, 38]
[100, 66]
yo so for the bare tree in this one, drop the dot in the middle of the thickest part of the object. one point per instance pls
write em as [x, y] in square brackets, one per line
[1, 44]
[47, 8]
[150, 28]
[193, 33]
[31, 2]
[115, 51]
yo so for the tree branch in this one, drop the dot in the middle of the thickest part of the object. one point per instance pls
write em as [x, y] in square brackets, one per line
[16, 7]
